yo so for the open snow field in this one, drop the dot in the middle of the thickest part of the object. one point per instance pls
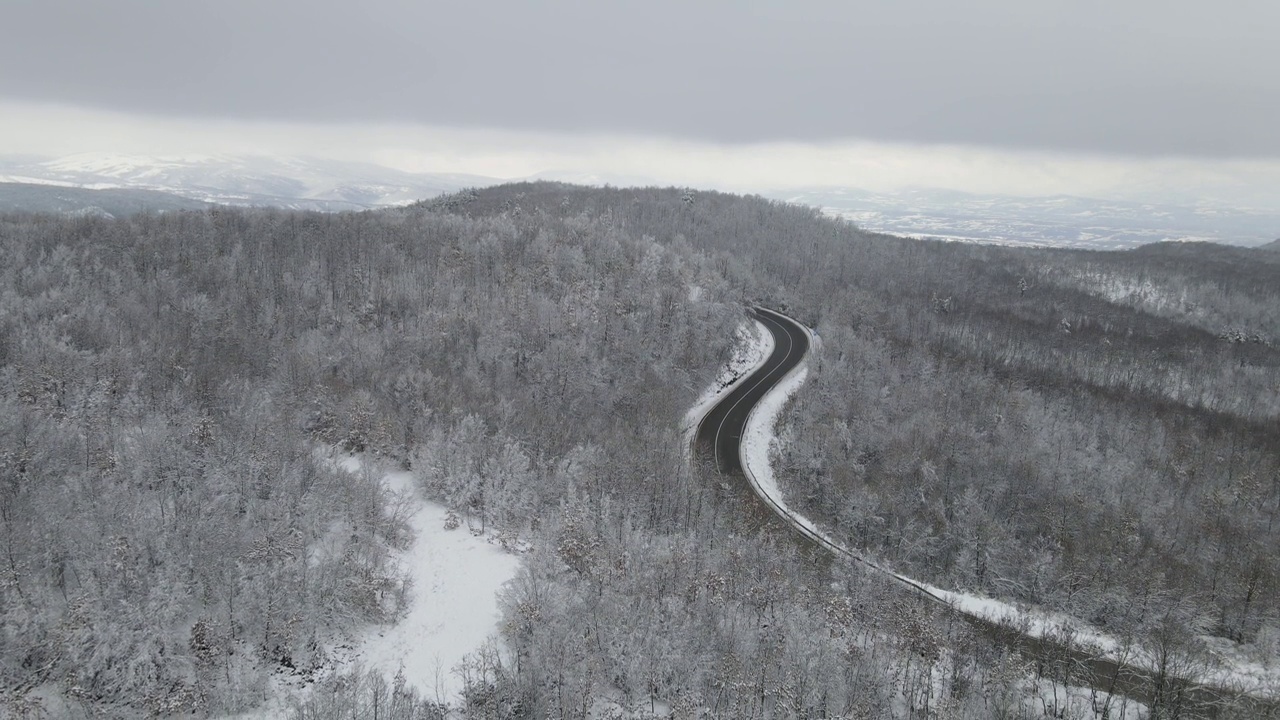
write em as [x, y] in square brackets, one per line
[456, 577]
[453, 611]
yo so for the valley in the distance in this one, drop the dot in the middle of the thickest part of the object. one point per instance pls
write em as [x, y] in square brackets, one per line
[1058, 221]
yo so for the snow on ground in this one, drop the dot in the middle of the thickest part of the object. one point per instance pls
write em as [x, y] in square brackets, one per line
[456, 577]
[1142, 293]
[1035, 622]
[1045, 698]
[1237, 666]
[610, 706]
[1227, 666]
[754, 345]
[453, 612]
[759, 438]
[349, 463]
[1038, 694]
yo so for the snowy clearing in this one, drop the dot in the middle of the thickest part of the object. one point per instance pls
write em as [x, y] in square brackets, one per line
[453, 610]
[456, 577]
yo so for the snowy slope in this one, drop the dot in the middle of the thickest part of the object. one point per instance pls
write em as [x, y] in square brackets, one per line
[1233, 668]
[456, 577]
[754, 345]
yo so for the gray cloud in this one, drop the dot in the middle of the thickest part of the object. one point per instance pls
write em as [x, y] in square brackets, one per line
[1139, 77]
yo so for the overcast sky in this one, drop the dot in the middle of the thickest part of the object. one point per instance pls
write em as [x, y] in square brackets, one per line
[1129, 86]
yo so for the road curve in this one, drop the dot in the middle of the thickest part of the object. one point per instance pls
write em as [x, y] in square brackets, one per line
[720, 431]
[719, 437]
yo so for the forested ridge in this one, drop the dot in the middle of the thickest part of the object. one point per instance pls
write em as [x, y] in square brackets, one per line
[1093, 432]
[1097, 433]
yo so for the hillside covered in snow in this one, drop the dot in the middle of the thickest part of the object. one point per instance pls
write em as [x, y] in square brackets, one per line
[1091, 433]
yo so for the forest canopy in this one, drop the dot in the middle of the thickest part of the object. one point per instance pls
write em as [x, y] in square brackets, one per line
[1098, 433]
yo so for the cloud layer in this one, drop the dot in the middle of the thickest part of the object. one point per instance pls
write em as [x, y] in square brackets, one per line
[625, 159]
[1139, 77]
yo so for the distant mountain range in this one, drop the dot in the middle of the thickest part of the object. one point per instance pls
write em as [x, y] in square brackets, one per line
[27, 197]
[1060, 221]
[297, 183]
[116, 184]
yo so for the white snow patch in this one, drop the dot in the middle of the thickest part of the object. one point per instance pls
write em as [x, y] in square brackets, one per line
[1136, 292]
[1042, 697]
[453, 612]
[1036, 622]
[1255, 669]
[456, 577]
[350, 463]
[759, 438]
[610, 706]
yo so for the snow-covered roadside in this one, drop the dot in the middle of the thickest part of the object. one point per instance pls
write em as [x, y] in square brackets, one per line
[754, 345]
[1032, 621]
[757, 439]
[1232, 669]
[1226, 665]
[1036, 694]
[453, 611]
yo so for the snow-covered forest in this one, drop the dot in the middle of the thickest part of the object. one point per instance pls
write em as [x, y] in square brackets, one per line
[1096, 433]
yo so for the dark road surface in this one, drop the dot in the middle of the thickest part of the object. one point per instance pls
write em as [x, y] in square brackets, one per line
[721, 429]
[718, 437]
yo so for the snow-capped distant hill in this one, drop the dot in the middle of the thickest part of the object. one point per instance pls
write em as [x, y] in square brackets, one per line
[300, 183]
[1058, 221]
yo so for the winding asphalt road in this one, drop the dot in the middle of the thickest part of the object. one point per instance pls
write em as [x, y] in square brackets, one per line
[719, 438]
[721, 430]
